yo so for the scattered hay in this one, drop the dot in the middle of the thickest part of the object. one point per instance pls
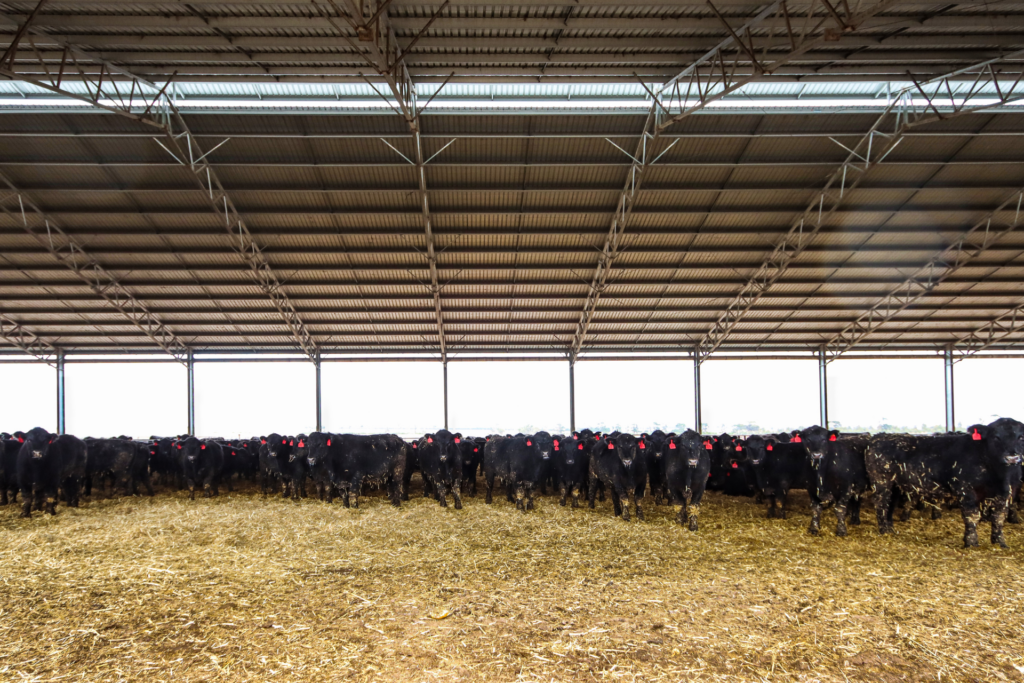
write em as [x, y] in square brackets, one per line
[242, 588]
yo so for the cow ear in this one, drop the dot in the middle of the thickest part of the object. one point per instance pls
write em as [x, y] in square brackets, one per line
[833, 435]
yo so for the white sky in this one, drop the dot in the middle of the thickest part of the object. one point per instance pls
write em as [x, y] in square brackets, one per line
[242, 399]
[508, 397]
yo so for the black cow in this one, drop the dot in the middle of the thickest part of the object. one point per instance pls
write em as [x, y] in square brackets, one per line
[572, 468]
[9, 448]
[201, 464]
[121, 462]
[472, 461]
[656, 443]
[351, 461]
[521, 463]
[982, 467]
[164, 461]
[238, 460]
[441, 463]
[839, 475]
[778, 468]
[412, 464]
[296, 468]
[619, 462]
[316, 461]
[274, 455]
[48, 462]
[687, 465]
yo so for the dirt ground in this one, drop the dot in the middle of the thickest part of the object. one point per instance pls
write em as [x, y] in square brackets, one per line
[245, 588]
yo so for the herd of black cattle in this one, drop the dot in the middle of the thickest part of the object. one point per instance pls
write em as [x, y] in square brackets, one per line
[979, 471]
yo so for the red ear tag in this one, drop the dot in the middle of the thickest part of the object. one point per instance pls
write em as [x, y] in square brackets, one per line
[263, 441]
[457, 440]
[576, 437]
[430, 439]
[707, 445]
[735, 465]
[246, 445]
[739, 447]
[671, 445]
[292, 442]
[529, 443]
[284, 441]
[642, 446]
[233, 453]
[179, 446]
[797, 439]
[202, 447]
[302, 444]
[976, 436]
[769, 447]
[476, 450]
[580, 447]
[415, 446]
[716, 439]
[611, 446]
[156, 443]
[21, 439]
[832, 437]
[328, 442]
[556, 445]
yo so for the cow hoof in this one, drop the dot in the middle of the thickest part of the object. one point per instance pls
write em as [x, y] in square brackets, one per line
[458, 505]
[814, 531]
[840, 532]
[971, 541]
[693, 525]
[1000, 541]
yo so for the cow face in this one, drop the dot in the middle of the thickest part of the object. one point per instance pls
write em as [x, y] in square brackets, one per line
[316, 445]
[815, 441]
[544, 444]
[755, 449]
[726, 444]
[191, 450]
[442, 442]
[624, 446]
[37, 442]
[300, 451]
[1002, 440]
[568, 450]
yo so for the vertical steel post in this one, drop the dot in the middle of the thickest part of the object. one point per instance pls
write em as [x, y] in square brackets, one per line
[696, 392]
[950, 413]
[61, 416]
[191, 364]
[823, 386]
[319, 396]
[572, 397]
[445, 364]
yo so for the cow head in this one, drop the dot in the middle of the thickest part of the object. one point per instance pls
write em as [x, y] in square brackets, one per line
[191, 450]
[725, 448]
[816, 442]
[755, 448]
[279, 446]
[622, 445]
[543, 443]
[316, 445]
[301, 449]
[655, 444]
[441, 442]
[1001, 440]
[37, 442]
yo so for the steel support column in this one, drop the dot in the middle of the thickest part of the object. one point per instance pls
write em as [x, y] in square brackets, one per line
[319, 396]
[572, 397]
[823, 385]
[61, 415]
[445, 366]
[696, 392]
[950, 413]
[190, 363]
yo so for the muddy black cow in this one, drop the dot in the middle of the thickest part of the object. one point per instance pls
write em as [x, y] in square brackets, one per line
[440, 456]
[979, 468]
[839, 475]
[778, 468]
[571, 460]
[274, 455]
[295, 469]
[164, 461]
[9, 447]
[119, 462]
[472, 461]
[202, 461]
[620, 464]
[687, 465]
[316, 461]
[48, 463]
[350, 460]
[521, 463]
[657, 442]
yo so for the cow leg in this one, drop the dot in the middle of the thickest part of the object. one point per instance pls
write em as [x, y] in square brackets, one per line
[772, 502]
[564, 491]
[616, 506]
[395, 490]
[623, 498]
[26, 502]
[842, 504]
[70, 487]
[638, 499]
[591, 492]
[815, 527]
[883, 508]
[3, 496]
[442, 494]
[457, 493]
[972, 515]
[529, 496]
[600, 496]
[908, 505]
[854, 508]
[575, 496]
[489, 480]
[692, 511]
[357, 489]
[998, 517]
[191, 485]
[784, 509]
[1012, 515]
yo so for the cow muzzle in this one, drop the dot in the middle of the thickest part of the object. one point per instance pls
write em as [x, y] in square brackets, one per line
[627, 462]
[755, 462]
[569, 461]
[444, 458]
[37, 454]
[1013, 459]
[291, 458]
[311, 461]
[692, 461]
[546, 455]
[191, 458]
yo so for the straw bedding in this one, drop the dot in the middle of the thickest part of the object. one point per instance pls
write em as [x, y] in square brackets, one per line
[245, 588]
